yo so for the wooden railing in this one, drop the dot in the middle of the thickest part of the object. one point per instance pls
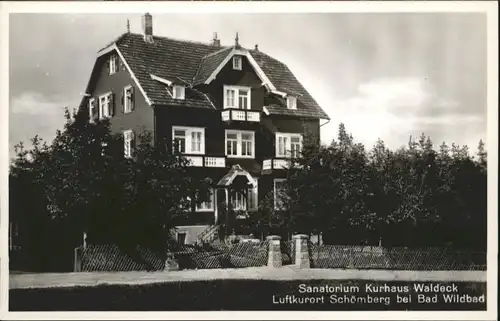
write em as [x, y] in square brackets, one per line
[240, 115]
[206, 161]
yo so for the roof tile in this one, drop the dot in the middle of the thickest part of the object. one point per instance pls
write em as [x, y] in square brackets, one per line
[193, 63]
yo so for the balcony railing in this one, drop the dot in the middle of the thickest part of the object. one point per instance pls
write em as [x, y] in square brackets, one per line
[206, 161]
[277, 163]
[240, 115]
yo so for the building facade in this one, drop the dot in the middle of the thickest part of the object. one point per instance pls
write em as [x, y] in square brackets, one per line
[237, 114]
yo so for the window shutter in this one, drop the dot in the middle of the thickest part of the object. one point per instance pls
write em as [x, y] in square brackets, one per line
[132, 143]
[117, 63]
[112, 104]
[123, 102]
[132, 98]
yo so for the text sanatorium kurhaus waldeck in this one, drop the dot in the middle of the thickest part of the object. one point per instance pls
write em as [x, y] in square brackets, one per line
[352, 294]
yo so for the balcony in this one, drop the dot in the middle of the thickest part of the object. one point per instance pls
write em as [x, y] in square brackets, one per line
[276, 163]
[240, 115]
[206, 161]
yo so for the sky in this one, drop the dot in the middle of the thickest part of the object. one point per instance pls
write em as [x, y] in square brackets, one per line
[384, 75]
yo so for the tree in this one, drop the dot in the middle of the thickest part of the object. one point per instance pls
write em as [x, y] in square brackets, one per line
[89, 186]
[413, 196]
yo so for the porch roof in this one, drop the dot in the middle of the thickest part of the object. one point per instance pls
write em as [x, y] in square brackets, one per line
[235, 171]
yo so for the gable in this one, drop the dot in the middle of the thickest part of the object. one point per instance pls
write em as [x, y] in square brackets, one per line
[228, 60]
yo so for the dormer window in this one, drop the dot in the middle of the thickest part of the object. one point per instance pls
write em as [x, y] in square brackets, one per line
[113, 64]
[237, 62]
[291, 102]
[179, 92]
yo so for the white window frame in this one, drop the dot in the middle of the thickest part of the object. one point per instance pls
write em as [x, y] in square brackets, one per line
[288, 144]
[127, 108]
[92, 106]
[203, 208]
[107, 97]
[236, 100]
[276, 180]
[113, 64]
[182, 92]
[242, 203]
[291, 102]
[189, 130]
[128, 137]
[237, 62]
[239, 143]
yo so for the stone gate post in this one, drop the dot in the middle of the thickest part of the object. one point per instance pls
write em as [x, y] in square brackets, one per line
[274, 252]
[302, 251]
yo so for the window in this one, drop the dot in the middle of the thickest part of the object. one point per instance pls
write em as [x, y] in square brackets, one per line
[247, 144]
[106, 106]
[113, 64]
[295, 146]
[181, 238]
[92, 110]
[128, 143]
[179, 92]
[291, 102]
[128, 99]
[237, 62]
[288, 145]
[237, 97]
[279, 193]
[240, 143]
[239, 201]
[243, 98]
[189, 140]
[231, 144]
[208, 205]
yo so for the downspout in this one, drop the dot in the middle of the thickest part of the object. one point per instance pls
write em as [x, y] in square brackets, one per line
[327, 121]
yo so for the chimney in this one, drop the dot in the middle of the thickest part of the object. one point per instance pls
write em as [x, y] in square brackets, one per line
[256, 47]
[215, 40]
[147, 27]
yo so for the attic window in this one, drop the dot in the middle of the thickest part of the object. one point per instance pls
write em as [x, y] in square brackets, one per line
[237, 62]
[113, 64]
[179, 92]
[291, 102]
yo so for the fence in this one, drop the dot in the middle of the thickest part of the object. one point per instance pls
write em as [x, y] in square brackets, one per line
[374, 257]
[106, 257]
[218, 255]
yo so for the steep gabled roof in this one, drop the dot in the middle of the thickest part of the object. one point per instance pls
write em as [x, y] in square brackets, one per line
[194, 63]
[209, 63]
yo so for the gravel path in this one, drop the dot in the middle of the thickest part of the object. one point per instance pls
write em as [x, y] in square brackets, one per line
[42, 280]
